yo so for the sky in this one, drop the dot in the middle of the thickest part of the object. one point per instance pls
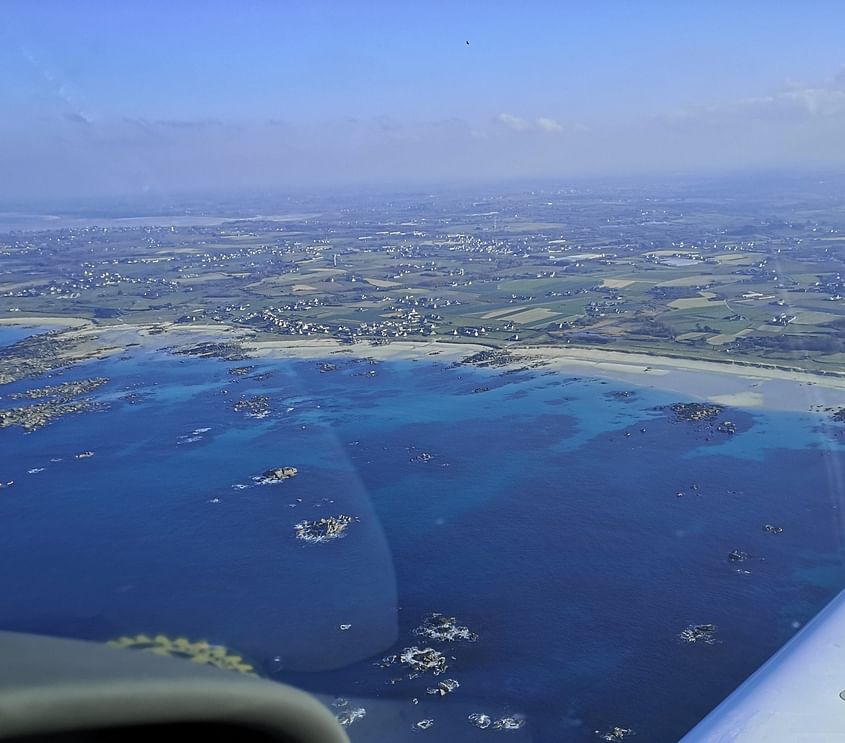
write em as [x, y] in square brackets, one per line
[113, 98]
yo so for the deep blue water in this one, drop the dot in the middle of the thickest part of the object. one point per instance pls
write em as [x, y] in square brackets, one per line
[547, 521]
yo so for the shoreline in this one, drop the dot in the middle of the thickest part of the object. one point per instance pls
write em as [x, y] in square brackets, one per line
[735, 384]
[33, 321]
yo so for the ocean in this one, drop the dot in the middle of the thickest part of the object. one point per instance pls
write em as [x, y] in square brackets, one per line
[572, 524]
[10, 334]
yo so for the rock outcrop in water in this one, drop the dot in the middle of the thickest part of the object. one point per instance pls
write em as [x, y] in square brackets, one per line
[33, 417]
[417, 661]
[63, 390]
[480, 720]
[422, 660]
[699, 633]
[447, 686]
[346, 714]
[444, 629]
[257, 406]
[615, 733]
[509, 723]
[42, 353]
[487, 358]
[240, 371]
[696, 411]
[226, 350]
[726, 427]
[706, 414]
[58, 400]
[323, 530]
[278, 474]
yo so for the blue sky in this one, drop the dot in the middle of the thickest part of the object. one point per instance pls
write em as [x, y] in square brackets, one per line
[106, 97]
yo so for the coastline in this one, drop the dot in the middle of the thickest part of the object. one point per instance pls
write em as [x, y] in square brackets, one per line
[735, 385]
[44, 320]
[732, 384]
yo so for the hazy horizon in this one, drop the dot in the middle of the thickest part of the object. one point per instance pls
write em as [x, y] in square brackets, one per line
[109, 100]
[758, 184]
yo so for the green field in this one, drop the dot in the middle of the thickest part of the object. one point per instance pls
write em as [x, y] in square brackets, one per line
[588, 271]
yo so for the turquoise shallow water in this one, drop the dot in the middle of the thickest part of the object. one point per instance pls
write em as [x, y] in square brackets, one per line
[546, 520]
[12, 334]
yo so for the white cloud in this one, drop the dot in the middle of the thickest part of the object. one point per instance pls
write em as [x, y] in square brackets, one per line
[513, 122]
[797, 123]
[549, 125]
[794, 101]
[824, 101]
[544, 124]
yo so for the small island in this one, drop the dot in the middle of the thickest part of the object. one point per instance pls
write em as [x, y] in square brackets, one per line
[325, 529]
[696, 411]
[445, 629]
[421, 660]
[56, 401]
[257, 406]
[699, 633]
[279, 474]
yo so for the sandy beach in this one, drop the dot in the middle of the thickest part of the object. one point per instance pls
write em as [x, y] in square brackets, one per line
[732, 384]
[44, 321]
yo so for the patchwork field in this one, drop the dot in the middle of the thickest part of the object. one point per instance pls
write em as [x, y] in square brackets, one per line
[710, 280]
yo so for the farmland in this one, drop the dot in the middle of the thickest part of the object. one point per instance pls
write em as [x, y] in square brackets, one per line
[710, 271]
